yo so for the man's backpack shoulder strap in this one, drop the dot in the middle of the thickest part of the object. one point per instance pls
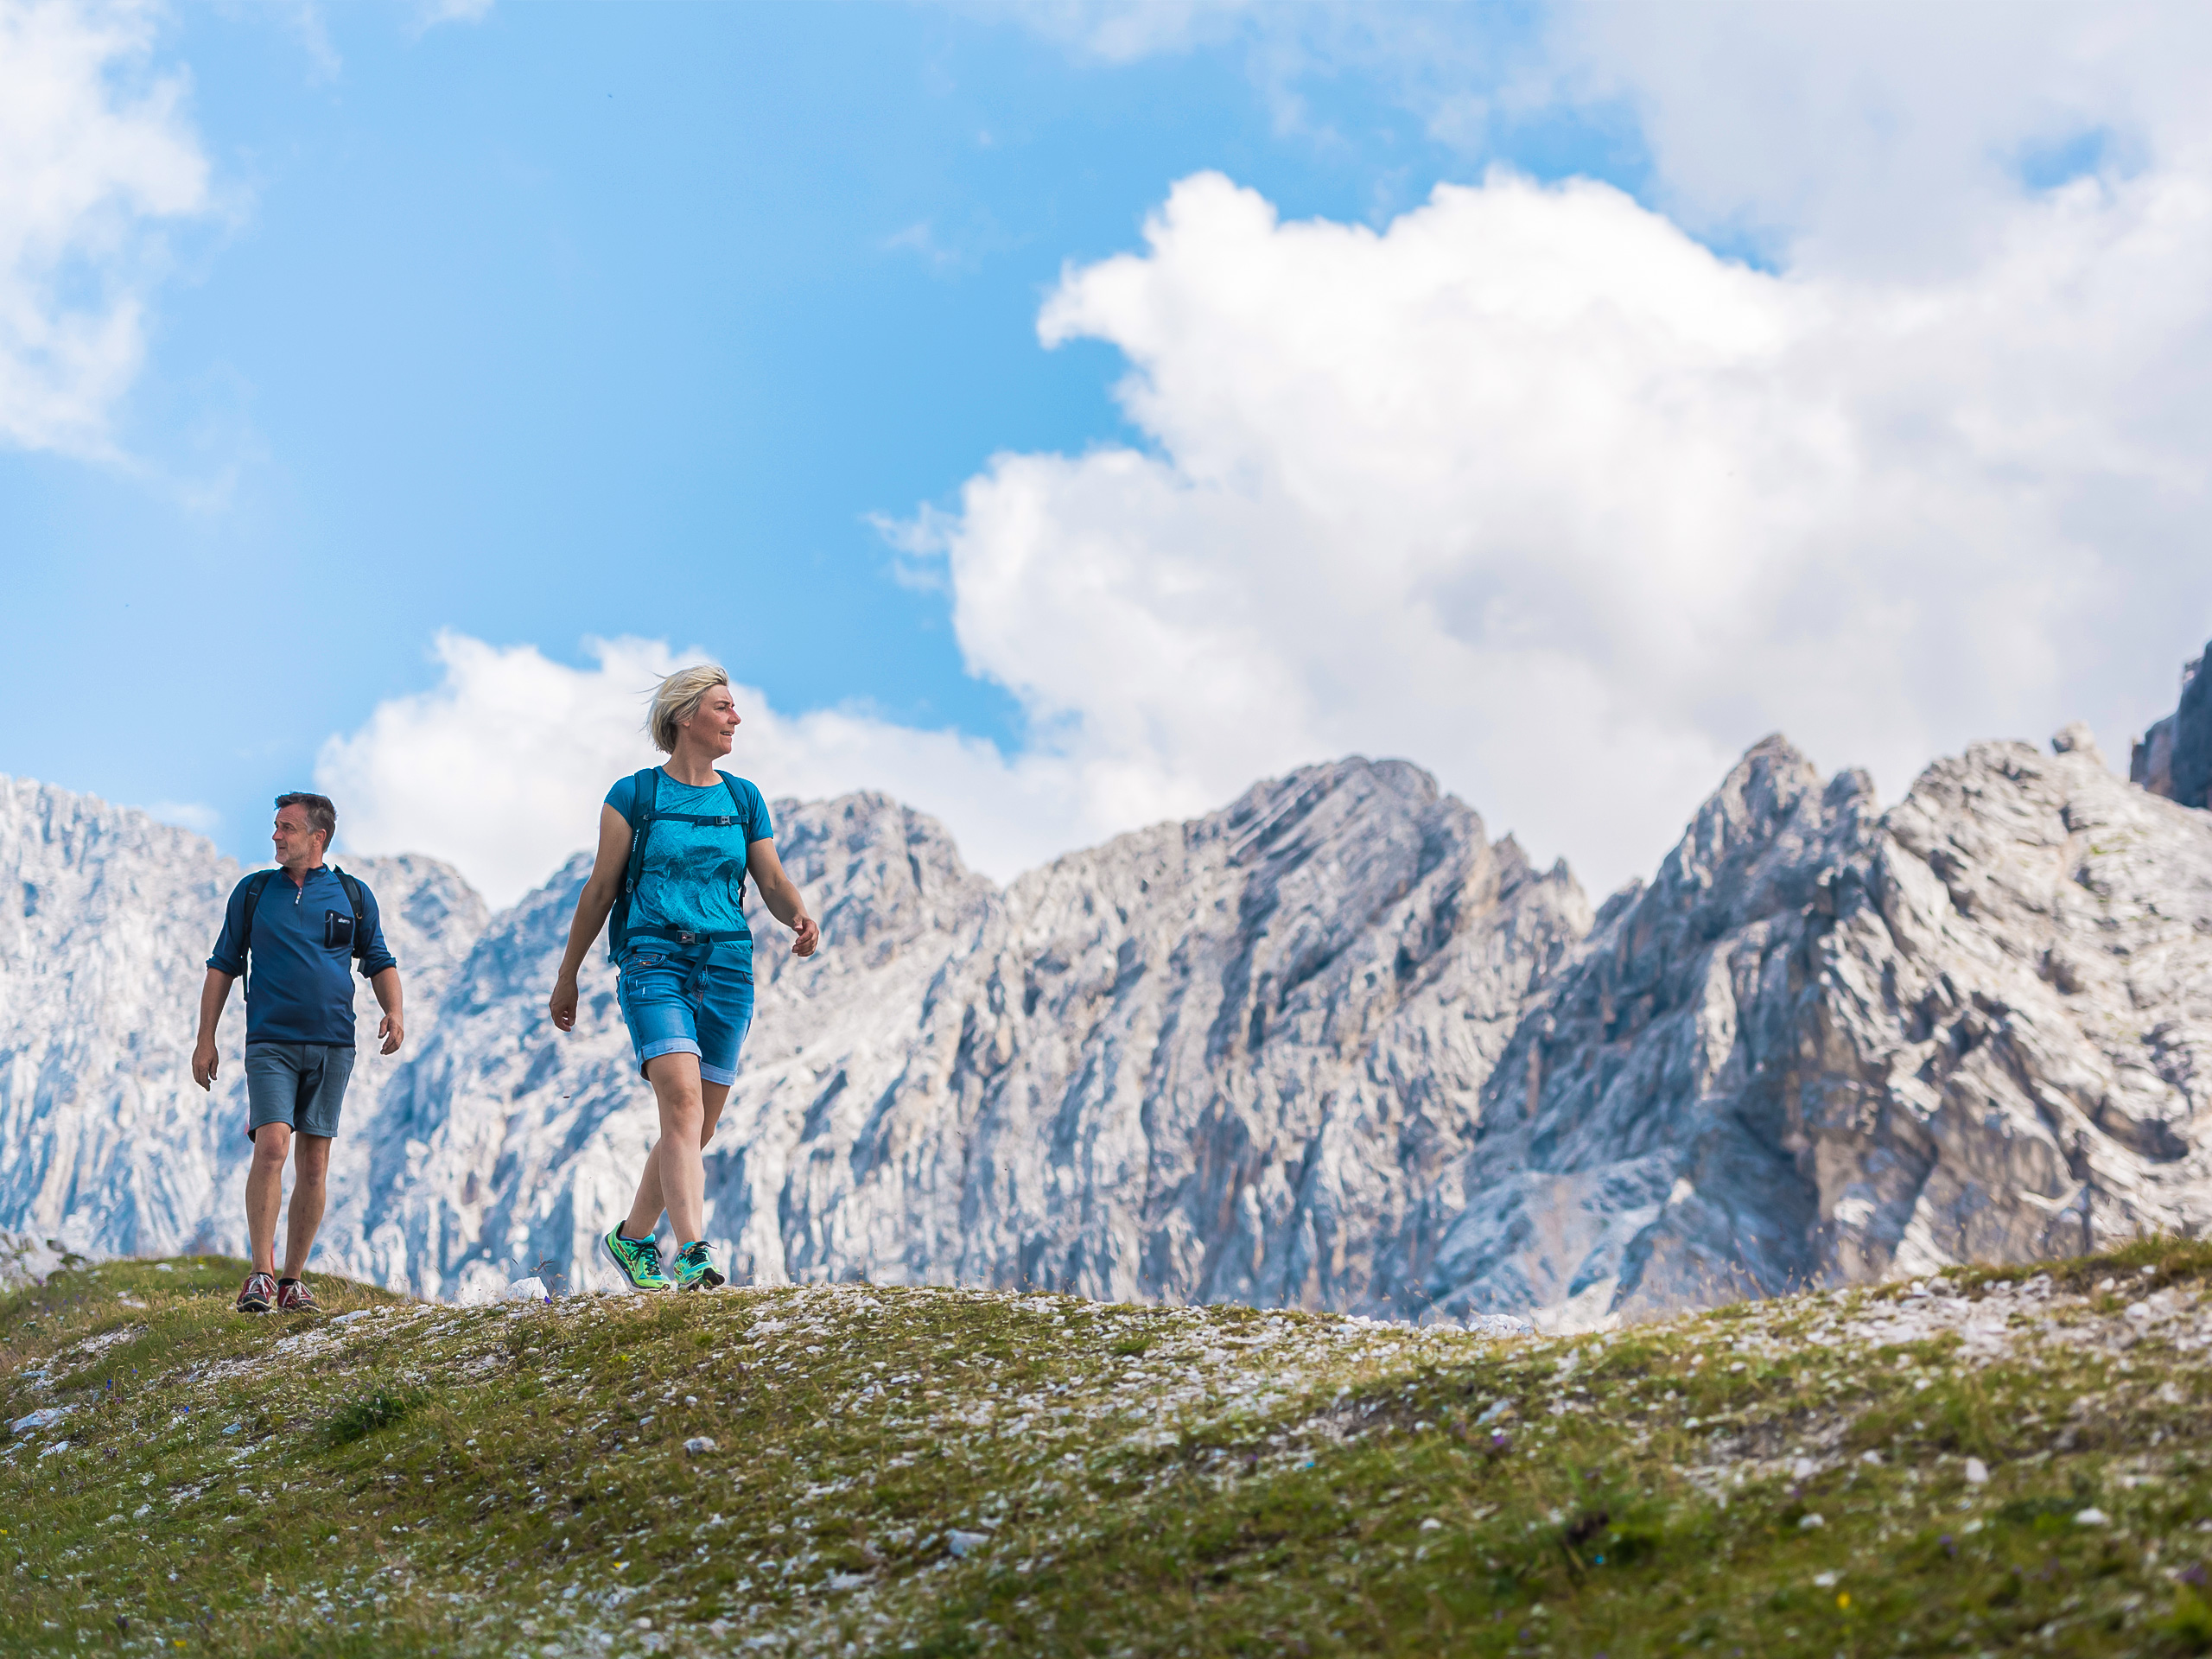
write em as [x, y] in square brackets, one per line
[254, 884]
[357, 896]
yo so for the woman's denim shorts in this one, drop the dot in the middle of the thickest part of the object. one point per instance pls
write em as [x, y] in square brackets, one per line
[710, 1021]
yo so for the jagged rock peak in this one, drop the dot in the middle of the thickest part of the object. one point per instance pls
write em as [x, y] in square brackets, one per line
[2174, 758]
[1974, 1027]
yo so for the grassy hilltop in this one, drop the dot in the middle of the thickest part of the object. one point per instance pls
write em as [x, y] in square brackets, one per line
[2001, 1462]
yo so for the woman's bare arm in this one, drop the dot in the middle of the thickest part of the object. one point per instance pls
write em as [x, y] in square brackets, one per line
[781, 895]
[601, 887]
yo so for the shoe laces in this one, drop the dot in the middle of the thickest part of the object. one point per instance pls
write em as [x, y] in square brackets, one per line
[694, 1253]
[649, 1249]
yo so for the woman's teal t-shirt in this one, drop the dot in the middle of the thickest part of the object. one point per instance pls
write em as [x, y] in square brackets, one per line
[694, 873]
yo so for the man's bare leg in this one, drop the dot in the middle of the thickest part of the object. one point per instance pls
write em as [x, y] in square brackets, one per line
[310, 1165]
[264, 1191]
[650, 1203]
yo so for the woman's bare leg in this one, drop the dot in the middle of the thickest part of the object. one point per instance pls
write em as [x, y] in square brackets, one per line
[708, 1100]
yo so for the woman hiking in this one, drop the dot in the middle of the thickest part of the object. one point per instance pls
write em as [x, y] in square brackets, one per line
[676, 842]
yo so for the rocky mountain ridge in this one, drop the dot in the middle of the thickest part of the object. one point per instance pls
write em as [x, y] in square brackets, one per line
[1327, 1047]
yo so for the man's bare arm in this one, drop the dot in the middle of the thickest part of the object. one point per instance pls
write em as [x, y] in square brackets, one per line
[214, 992]
[780, 893]
[391, 1028]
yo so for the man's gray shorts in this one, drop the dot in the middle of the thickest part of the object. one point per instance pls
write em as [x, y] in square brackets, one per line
[301, 1085]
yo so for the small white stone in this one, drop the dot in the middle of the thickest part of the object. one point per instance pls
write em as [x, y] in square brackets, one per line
[1432, 1525]
[1977, 1472]
[1809, 1523]
[697, 1444]
[2091, 1517]
[1803, 1469]
[962, 1544]
[1827, 1581]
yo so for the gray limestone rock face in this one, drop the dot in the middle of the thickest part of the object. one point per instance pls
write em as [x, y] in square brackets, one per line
[2174, 758]
[1237, 1058]
[1829, 1043]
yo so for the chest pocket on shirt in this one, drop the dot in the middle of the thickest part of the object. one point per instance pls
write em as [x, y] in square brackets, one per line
[337, 930]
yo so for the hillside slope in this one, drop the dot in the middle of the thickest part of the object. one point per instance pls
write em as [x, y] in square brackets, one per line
[1986, 1463]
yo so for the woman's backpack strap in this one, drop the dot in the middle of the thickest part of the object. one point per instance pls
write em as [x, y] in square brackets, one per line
[645, 803]
[737, 800]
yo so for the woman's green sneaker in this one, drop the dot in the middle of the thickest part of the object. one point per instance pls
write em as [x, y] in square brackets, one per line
[695, 1269]
[637, 1260]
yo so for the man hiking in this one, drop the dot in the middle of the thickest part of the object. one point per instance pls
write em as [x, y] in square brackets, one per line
[675, 843]
[299, 925]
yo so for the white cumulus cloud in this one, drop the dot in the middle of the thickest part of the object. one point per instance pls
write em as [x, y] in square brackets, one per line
[95, 153]
[1527, 486]
[1534, 488]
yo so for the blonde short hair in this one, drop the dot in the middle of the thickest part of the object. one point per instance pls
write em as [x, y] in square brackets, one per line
[677, 698]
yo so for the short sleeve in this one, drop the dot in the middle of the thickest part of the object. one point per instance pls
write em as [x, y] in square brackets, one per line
[760, 826]
[377, 956]
[623, 798]
[230, 948]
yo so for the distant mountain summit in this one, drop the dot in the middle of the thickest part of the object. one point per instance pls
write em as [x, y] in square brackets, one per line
[2174, 758]
[1829, 1043]
[1330, 1047]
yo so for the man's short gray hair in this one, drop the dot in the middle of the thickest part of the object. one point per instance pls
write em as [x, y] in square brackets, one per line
[321, 814]
[678, 699]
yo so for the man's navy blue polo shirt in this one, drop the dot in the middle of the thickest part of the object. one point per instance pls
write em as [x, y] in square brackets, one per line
[300, 990]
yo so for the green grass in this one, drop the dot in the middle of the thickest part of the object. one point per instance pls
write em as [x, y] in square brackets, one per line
[947, 1472]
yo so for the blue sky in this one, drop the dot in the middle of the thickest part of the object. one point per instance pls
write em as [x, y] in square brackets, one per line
[573, 321]
[598, 320]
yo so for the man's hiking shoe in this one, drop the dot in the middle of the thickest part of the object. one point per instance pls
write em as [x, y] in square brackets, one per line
[695, 1269]
[260, 1290]
[638, 1260]
[293, 1296]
